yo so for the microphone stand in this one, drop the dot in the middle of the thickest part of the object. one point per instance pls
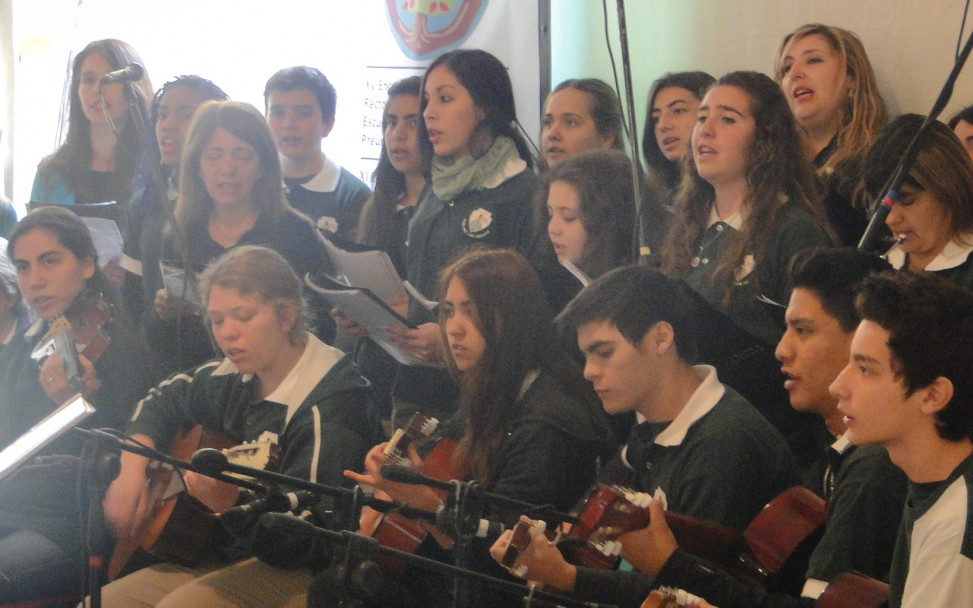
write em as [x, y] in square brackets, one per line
[159, 192]
[461, 516]
[464, 503]
[98, 467]
[633, 138]
[891, 188]
[362, 548]
[213, 463]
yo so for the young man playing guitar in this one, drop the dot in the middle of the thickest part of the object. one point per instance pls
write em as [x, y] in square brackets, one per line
[699, 443]
[908, 387]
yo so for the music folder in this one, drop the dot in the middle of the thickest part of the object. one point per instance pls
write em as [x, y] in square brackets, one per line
[102, 220]
[72, 412]
[374, 315]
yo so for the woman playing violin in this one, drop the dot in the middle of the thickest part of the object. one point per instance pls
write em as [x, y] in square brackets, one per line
[58, 274]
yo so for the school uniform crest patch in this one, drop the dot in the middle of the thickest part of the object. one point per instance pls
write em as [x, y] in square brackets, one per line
[477, 225]
[326, 222]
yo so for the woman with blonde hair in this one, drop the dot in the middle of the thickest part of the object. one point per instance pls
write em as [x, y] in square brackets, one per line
[830, 86]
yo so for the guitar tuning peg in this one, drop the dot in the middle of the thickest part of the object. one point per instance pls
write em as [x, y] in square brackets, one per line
[610, 548]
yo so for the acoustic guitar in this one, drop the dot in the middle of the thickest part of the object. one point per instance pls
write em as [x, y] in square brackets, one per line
[854, 590]
[771, 553]
[393, 529]
[179, 525]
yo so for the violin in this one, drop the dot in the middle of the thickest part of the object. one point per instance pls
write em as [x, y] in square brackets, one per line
[79, 330]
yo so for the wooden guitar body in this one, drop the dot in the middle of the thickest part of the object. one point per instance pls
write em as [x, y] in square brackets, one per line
[854, 590]
[178, 526]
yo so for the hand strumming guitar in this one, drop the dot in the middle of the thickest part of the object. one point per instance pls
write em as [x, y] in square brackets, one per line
[126, 503]
[421, 497]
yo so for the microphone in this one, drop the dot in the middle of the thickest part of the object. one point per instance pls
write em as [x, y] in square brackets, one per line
[407, 475]
[287, 541]
[129, 73]
[285, 523]
[210, 460]
[875, 234]
[242, 518]
[482, 528]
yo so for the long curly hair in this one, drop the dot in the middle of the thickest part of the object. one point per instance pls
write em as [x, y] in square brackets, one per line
[778, 174]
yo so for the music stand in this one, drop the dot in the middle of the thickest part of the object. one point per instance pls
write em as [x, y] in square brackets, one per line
[73, 411]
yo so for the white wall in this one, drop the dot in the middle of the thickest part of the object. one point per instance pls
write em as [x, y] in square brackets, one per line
[911, 43]
[238, 44]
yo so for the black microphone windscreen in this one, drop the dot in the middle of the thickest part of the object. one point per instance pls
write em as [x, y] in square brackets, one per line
[209, 460]
[136, 70]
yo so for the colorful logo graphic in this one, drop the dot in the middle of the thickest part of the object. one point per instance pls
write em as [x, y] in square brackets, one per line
[426, 28]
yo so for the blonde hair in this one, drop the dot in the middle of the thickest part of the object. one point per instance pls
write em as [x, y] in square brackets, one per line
[862, 114]
[255, 270]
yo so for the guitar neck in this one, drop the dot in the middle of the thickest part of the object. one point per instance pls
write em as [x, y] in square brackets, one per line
[419, 426]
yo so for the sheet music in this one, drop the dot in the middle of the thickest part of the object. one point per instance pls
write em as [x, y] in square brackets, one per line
[174, 280]
[372, 270]
[70, 413]
[372, 314]
[102, 221]
[107, 238]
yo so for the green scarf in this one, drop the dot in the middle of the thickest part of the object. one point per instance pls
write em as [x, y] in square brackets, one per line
[469, 172]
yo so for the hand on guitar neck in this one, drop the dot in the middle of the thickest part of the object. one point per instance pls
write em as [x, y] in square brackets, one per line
[537, 558]
[649, 548]
[421, 497]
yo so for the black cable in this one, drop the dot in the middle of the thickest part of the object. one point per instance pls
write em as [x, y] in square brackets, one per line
[962, 26]
[611, 57]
